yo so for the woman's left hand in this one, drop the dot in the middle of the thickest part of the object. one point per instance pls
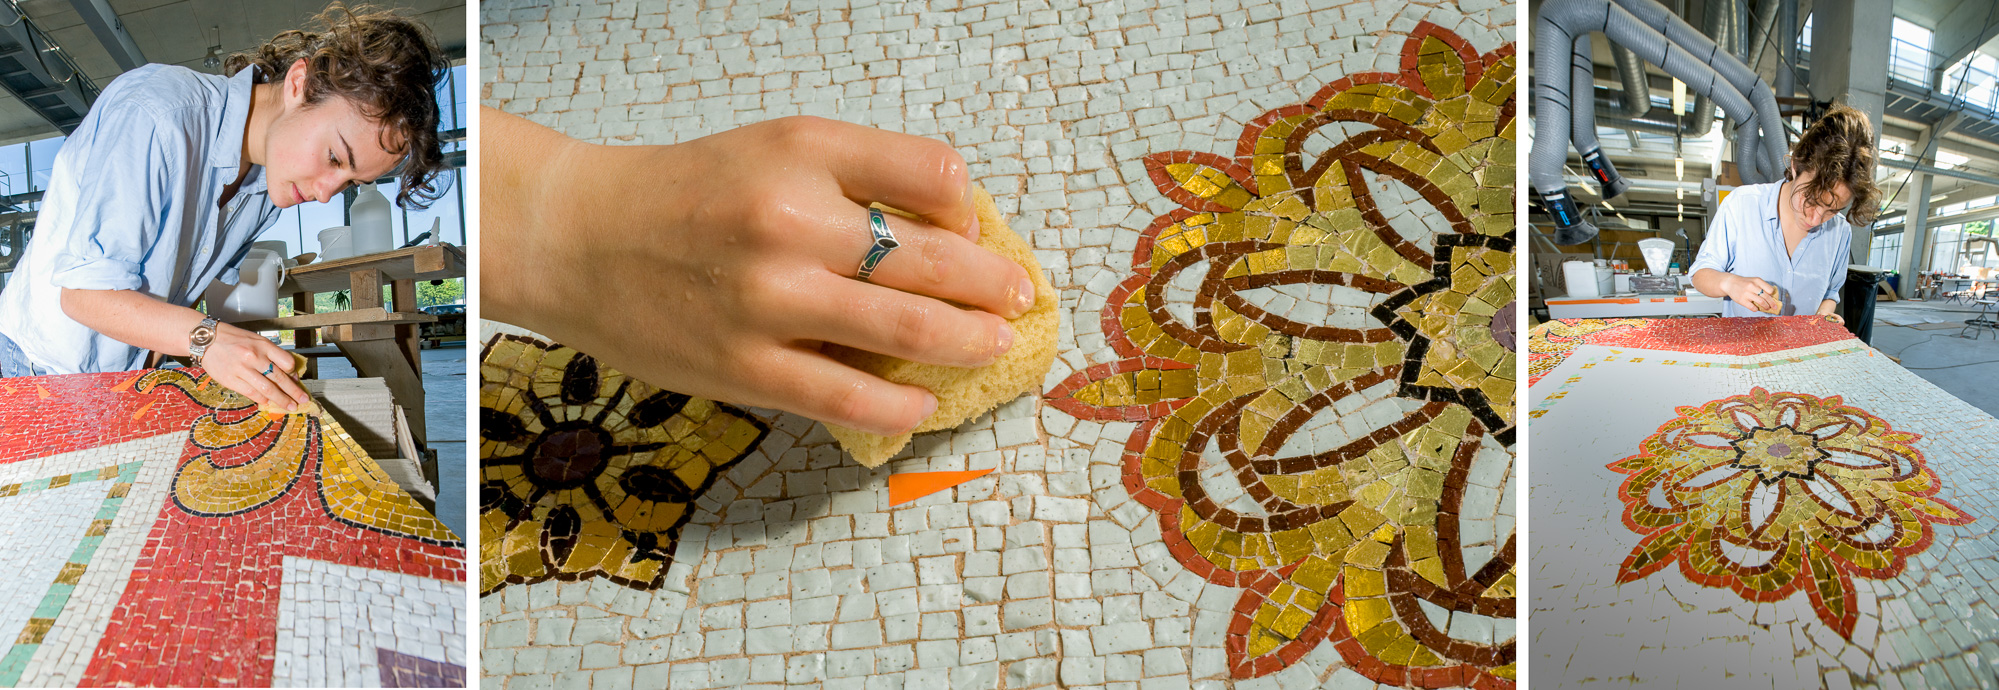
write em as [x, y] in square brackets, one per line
[1833, 318]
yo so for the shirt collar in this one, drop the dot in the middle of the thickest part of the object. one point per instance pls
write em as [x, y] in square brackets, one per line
[1777, 197]
[227, 153]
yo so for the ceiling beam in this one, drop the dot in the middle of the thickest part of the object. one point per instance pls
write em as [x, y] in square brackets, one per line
[1939, 172]
[37, 72]
[110, 31]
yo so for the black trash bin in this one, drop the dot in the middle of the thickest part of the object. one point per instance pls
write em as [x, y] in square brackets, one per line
[1856, 300]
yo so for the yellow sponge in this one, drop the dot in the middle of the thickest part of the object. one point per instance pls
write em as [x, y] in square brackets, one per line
[311, 406]
[963, 394]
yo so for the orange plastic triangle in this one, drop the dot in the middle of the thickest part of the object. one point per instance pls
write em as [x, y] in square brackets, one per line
[909, 486]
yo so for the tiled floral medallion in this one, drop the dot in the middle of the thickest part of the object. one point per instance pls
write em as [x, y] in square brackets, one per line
[586, 472]
[1275, 449]
[1750, 502]
[1343, 541]
[161, 520]
[1770, 493]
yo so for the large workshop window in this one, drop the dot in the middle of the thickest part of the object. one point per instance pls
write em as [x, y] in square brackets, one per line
[1909, 52]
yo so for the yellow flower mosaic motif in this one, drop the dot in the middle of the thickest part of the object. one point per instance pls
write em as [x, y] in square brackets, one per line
[586, 472]
[1338, 545]
[1772, 492]
[242, 466]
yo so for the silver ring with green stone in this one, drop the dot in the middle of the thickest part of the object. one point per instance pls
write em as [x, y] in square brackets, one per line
[884, 243]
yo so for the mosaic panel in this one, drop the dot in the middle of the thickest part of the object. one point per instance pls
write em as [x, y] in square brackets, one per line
[198, 500]
[1551, 342]
[1275, 450]
[404, 671]
[1796, 517]
[334, 630]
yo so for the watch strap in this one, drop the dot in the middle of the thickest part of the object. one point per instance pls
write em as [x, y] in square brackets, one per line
[199, 338]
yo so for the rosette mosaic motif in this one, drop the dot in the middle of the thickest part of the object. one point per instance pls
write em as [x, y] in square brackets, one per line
[586, 472]
[1356, 544]
[1770, 493]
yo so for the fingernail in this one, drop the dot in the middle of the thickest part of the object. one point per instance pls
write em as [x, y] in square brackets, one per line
[929, 408]
[1004, 342]
[1023, 296]
[971, 214]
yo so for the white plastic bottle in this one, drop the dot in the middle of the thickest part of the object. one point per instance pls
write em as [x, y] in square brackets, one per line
[370, 218]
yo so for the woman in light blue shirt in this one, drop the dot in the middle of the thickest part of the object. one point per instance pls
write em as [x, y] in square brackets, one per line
[1782, 248]
[163, 186]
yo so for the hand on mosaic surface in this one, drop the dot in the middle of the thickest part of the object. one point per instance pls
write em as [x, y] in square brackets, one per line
[1829, 310]
[237, 359]
[1754, 293]
[730, 260]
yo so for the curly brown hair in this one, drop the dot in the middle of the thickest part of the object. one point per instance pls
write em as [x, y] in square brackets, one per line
[1837, 149]
[386, 65]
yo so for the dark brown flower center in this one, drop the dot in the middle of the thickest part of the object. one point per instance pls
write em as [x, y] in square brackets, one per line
[570, 456]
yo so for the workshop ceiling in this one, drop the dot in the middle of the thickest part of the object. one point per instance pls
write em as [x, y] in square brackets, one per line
[180, 32]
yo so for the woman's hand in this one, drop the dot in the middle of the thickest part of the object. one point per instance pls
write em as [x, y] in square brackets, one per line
[252, 365]
[235, 358]
[1829, 310]
[718, 266]
[1754, 293]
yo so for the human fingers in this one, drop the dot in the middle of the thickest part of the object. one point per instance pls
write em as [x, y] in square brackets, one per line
[278, 370]
[812, 384]
[899, 324]
[1762, 295]
[240, 368]
[926, 177]
[927, 260]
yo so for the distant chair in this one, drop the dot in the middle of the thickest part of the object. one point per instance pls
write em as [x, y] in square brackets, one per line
[1983, 322]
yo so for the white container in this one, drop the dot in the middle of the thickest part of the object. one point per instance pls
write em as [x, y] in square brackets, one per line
[370, 216]
[255, 295]
[1658, 254]
[336, 243]
[1580, 277]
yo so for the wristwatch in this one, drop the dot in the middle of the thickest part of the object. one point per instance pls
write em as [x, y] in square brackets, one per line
[199, 338]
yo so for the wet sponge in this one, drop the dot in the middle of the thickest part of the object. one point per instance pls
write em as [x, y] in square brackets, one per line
[963, 394]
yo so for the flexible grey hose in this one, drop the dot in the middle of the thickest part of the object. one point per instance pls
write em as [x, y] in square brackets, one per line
[1631, 74]
[1582, 131]
[1557, 26]
[1767, 164]
[1631, 70]
[1555, 32]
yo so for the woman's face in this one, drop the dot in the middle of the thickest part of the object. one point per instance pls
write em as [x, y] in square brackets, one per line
[1814, 212]
[312, 152]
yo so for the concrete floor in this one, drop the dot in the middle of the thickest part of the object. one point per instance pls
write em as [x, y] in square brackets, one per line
[444, 414]
[1967, 368]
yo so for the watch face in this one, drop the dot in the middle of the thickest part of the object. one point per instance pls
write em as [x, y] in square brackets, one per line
[202, 334]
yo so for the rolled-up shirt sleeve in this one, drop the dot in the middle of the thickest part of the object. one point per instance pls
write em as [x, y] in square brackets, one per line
[128, 159]
[1718, 249]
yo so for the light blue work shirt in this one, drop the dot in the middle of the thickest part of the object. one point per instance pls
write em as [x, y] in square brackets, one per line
[1745, 239]
[133, 204]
